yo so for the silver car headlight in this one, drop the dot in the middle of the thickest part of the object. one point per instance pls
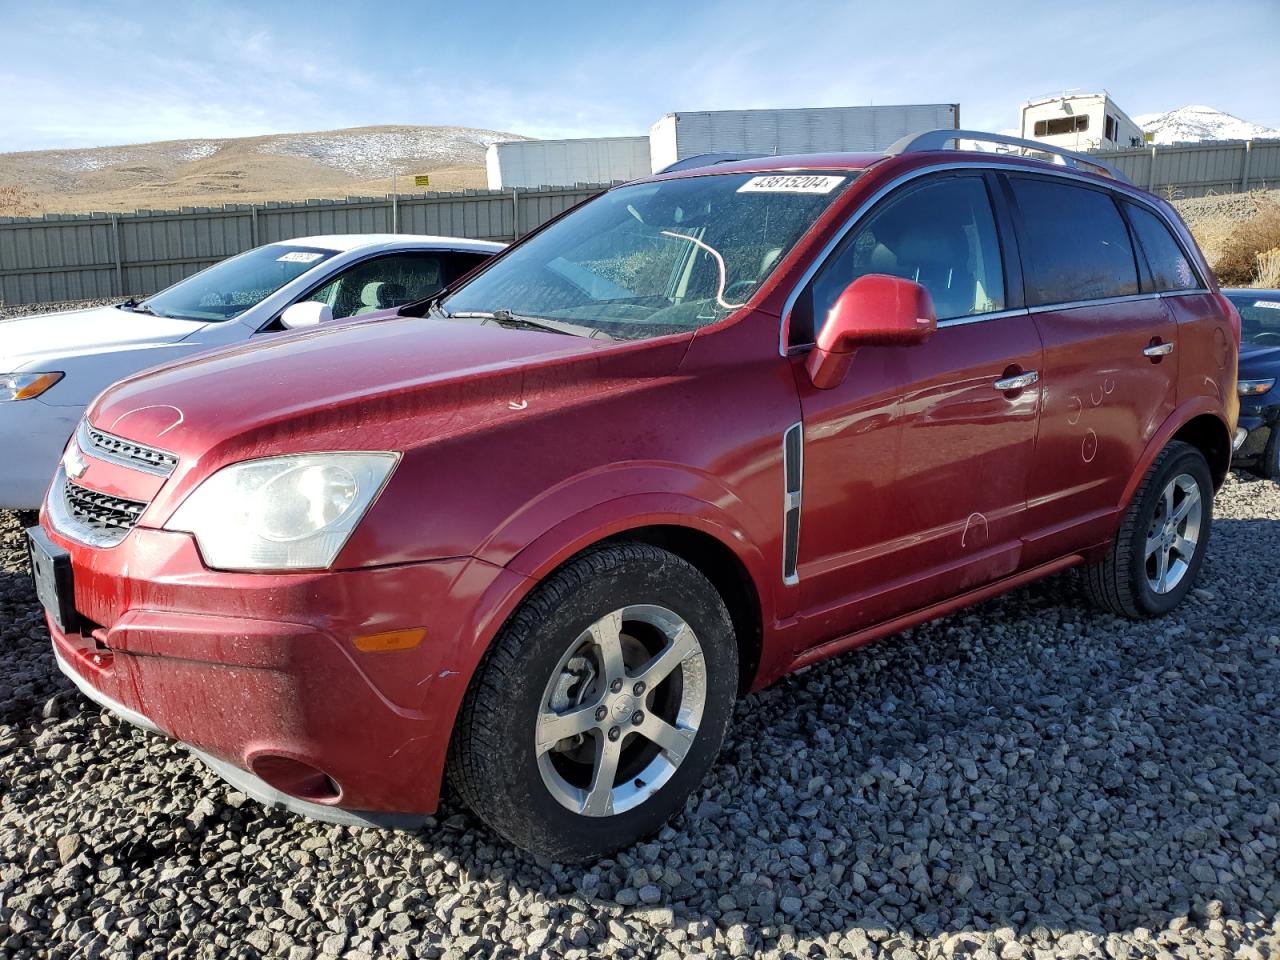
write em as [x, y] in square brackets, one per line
[282, 513]
[26, 386]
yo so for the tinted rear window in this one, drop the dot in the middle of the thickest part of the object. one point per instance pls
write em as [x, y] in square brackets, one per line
[1078, 246]
[1170, 268]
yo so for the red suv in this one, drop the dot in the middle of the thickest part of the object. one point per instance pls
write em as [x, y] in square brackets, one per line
[538, 535]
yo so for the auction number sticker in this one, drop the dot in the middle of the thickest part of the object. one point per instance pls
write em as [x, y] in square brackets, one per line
[791, 183]
[1268, 304]
[299, 256]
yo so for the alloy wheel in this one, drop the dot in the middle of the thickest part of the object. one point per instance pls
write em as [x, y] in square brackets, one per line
[1174, 534]
[621, 710]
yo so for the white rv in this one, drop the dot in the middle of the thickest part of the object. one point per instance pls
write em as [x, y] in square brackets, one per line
[1080, 121]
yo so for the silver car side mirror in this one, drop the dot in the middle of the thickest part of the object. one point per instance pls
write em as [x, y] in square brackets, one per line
[306, 314]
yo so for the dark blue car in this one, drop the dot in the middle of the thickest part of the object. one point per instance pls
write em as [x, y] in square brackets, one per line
[1258, 439]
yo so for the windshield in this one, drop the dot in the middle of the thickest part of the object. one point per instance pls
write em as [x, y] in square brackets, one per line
[229, 288]
[1259, 316]
[655, 258]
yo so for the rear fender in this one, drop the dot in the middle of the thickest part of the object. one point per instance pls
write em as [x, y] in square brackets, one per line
[1195, 407]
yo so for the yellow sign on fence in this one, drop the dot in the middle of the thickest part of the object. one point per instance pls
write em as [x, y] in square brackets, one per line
[423, 181]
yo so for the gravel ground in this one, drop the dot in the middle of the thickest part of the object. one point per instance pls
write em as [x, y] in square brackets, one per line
[13, 311]
[1027, 779]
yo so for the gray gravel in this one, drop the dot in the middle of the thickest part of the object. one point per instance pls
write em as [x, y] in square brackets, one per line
[13, 311]
[1028, 779]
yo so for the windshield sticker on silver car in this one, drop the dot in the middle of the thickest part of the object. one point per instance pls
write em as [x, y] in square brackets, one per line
[299, 256]
[790, 183]
[1268, 304]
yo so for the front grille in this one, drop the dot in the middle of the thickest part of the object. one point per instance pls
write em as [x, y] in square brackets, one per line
[108, 516]
[111, 447]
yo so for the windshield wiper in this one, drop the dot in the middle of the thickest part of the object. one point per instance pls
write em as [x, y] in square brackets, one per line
[506, 318]
[134, 305]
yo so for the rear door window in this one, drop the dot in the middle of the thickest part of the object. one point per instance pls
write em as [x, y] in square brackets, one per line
[941, 234]
[1169, 266]
[1077, 245]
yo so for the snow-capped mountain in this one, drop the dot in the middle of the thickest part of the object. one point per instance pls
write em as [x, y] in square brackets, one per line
[1194, 123]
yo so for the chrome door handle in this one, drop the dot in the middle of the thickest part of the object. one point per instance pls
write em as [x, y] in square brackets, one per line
[1020, 382]
[1158, 350]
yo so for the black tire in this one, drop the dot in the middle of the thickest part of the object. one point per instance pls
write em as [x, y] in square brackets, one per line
[1119, 583]
[493, 758]
[1270, 465]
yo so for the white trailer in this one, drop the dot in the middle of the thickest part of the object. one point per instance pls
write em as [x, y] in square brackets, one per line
[678, 136]
[1080, 121]
[560, 163]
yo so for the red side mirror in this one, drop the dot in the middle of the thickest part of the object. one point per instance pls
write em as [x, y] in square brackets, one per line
[873, 311]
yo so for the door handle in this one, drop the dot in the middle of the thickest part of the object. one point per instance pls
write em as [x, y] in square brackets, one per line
[1158, 350]
[1020, 382]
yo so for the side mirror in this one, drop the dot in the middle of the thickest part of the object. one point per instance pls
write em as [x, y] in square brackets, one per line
[873, 311]
[305, 314]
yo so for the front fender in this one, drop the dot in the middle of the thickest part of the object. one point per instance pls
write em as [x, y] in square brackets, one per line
[616, 516]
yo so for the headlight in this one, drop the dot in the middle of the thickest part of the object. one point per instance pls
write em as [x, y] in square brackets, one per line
[24, 386]
[282, 513]
[1255, 388]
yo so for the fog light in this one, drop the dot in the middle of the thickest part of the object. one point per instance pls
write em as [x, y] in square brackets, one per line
[296, 778]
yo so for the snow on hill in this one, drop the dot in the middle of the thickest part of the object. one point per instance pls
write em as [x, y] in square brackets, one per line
[365, 153]
[1194, 123]
[285, 166]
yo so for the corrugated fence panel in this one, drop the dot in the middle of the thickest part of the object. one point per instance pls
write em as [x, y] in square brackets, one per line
[90, 256]
[1200, 169]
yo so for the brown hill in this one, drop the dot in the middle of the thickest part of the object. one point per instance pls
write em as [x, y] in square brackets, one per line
[286, 166]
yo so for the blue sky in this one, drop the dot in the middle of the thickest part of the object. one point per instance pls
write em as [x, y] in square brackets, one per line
[88, 74]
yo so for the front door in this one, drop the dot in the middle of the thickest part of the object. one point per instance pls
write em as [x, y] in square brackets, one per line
[915, 467]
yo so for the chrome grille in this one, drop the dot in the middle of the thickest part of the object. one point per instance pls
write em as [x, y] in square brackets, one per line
[104, 514]
[126, 452]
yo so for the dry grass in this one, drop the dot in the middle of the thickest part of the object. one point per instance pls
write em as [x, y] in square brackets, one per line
[17, 202]
[1238, 258]
[1269, 269]
[1241, 238]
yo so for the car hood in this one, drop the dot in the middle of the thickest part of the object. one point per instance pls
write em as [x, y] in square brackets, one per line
[380, 385]
[1257, 360]
[30, 343]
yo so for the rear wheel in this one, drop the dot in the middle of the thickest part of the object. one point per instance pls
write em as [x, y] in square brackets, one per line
[600, 706]
[1158, 552]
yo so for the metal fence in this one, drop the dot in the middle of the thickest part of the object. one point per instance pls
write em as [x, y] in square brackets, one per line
[61, 257]
[1200, 169]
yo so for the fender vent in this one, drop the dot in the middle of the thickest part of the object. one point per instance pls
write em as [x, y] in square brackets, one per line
[793, 482]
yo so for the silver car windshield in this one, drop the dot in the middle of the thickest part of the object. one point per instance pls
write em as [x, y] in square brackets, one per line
[228, 289]
[656, 258]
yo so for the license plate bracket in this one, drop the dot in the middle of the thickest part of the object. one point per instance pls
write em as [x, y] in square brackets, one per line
[51, 571]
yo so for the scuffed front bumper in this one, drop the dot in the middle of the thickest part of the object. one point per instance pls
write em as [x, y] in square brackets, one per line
[258, 674]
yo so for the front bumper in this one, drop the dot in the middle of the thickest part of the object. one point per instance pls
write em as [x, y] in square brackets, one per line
[1257, 428]
[34, 434]
[259, 676]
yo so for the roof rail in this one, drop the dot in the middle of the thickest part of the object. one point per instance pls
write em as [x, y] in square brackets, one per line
[938, 140]
[709, 160]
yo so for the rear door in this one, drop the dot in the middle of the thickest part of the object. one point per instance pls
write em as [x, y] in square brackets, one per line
[915, 466]
[1110, 371]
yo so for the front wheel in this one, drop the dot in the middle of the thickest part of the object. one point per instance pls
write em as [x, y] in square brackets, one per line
[1158, 552]
[1271, 456]
[601, 705]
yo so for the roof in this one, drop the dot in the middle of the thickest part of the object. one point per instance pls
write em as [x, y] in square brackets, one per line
[789, 162]
[1058, 98]
[343, 242]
